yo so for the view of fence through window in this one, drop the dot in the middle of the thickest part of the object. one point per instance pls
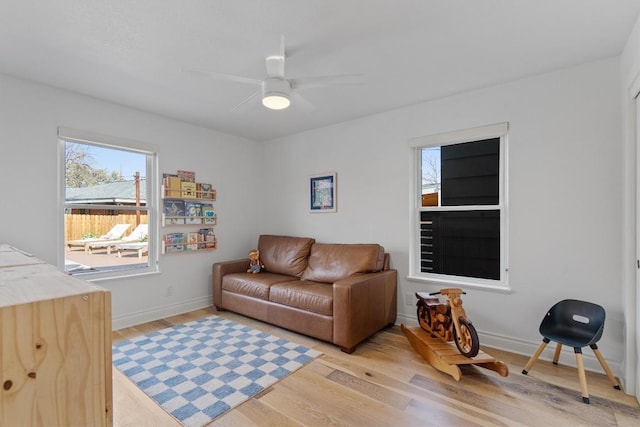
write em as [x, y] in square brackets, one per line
[106, 211]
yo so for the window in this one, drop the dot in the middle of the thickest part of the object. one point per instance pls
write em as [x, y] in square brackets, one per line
[108, 187]
[459, 222]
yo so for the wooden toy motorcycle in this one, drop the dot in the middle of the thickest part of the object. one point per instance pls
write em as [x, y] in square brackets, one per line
[448, 321]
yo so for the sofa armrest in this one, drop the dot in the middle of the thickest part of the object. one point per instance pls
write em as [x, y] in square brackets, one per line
[220, 269]
[362, 305]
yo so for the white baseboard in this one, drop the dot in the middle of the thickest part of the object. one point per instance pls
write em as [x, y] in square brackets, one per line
[132, 319]
[527, 348]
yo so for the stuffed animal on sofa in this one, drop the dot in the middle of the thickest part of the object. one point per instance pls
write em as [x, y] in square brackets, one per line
[255, 265]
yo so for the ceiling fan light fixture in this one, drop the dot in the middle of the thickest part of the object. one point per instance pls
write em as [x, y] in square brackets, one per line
[275, 93]
[275, 101]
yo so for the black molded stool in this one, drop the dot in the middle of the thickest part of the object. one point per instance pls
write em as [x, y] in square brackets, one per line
[577, 324]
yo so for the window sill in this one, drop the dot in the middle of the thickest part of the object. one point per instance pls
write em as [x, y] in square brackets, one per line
[100, 277]
[460, 283]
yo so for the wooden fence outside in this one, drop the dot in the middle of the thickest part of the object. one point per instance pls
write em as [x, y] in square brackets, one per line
[78, 225]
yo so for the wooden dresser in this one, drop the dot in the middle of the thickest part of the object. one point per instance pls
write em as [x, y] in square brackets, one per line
[55, 346]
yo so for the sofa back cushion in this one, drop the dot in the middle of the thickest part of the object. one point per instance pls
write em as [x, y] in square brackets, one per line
[284, 254]
[330, 262]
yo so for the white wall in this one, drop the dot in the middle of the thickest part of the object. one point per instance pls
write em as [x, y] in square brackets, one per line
[29, 218]
[564, 191]
[630, 85]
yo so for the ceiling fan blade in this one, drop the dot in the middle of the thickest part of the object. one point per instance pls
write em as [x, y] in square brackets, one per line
[299, 101]
[242, 105]
[222, 76]
[321, 81]
[275, 63]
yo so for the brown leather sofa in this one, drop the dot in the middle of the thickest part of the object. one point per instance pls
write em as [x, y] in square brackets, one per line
[341, 293]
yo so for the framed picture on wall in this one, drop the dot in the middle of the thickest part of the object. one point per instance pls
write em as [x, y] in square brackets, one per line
[322, 193]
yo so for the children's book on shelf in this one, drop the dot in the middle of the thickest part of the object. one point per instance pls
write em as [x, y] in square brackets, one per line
[189, 190]
[172, 209]
[208, 213]
[187, 176]
[192, 241]
[174, 238]
[172, 185]
[207, 236]
[205, 191]
[193, 212]
[174, 242]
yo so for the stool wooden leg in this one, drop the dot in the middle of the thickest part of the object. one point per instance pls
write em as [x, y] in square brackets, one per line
[556, 355]
[604, 365]
[535, 356]
[581, 375]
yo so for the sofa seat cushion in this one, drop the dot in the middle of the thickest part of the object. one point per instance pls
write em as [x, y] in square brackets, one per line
[252, 285]
[304, 295]
[332, 262]
[284, 254]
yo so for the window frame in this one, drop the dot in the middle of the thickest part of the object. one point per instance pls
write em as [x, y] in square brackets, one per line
[499, 130]
[151, 152]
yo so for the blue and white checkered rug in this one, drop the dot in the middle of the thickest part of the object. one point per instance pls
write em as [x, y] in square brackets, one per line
[199, 370]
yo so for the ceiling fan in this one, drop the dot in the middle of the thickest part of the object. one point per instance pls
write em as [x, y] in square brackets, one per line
[276, 90]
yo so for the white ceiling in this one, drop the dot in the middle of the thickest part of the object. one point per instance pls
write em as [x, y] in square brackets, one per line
[130, 51]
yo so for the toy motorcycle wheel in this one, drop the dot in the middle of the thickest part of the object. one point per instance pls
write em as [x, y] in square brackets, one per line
[466, 339]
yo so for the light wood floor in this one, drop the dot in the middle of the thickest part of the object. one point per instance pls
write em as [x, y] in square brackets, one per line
[386, 383]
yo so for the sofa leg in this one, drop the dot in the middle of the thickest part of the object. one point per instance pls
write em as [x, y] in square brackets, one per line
[348, 350]
[219, 308]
